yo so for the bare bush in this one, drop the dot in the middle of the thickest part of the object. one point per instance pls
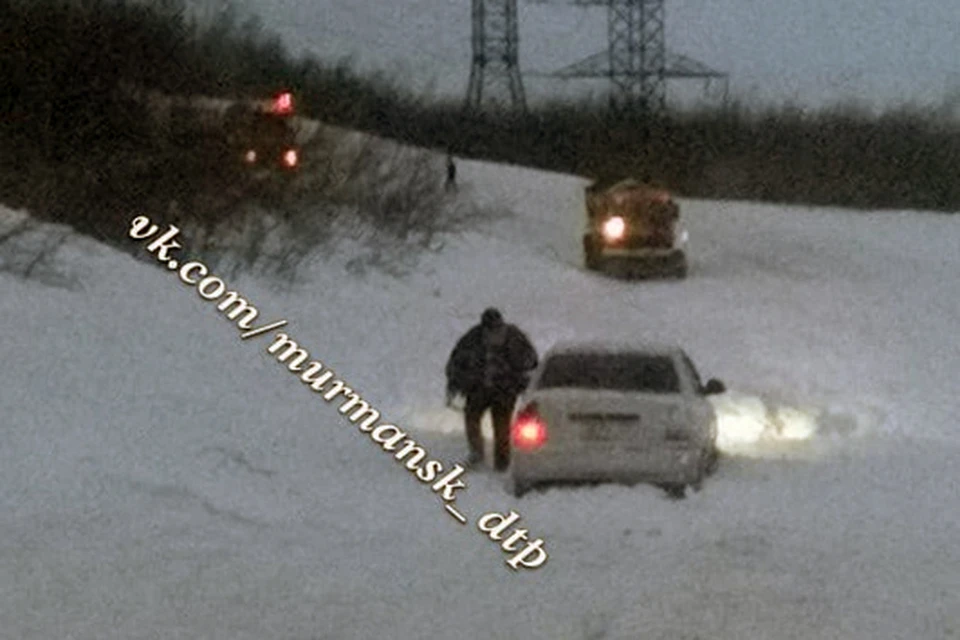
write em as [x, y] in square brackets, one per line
[399, 190]
[272, 243]
[28, 250]
[386, 199]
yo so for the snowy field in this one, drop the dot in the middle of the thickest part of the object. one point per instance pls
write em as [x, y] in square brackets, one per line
[162, 478]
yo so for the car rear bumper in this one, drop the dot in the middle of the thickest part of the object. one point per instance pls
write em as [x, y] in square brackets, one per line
[663, 465]
[654, 256]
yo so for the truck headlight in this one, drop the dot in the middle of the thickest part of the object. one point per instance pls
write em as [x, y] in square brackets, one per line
[614, 228]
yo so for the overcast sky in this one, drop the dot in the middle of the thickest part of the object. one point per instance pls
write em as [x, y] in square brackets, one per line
[812, 52]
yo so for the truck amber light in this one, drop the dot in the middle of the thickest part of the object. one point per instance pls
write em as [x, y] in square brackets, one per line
[614, 228]
[662, 197]
[529, 431]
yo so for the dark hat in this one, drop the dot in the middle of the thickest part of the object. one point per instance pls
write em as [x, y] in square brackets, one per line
[491, 318]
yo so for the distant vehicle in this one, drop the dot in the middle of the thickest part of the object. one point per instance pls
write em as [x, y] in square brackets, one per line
[636, 224]
[262, 135]
[613, 412]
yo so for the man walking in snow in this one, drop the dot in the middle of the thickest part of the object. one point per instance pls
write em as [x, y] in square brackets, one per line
[490, 366]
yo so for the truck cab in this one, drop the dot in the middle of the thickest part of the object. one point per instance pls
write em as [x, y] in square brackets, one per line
[635, 224]
[263, 136]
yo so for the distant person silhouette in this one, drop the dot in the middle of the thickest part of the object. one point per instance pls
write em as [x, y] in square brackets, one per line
[451, 184]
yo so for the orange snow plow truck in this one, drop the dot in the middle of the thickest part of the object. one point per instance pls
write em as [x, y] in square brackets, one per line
[635, 225]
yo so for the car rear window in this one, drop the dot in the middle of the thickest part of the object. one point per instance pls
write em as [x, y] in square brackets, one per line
[614, 371]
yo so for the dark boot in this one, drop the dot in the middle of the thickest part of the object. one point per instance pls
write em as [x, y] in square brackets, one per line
[502, 411]
[472, 414]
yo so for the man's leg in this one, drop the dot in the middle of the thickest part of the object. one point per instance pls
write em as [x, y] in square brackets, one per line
[502, 411]
[472, 414]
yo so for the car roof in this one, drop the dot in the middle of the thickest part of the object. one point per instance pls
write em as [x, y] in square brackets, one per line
[605, 346]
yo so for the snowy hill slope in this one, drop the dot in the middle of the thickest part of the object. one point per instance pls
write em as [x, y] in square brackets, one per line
[160, 477]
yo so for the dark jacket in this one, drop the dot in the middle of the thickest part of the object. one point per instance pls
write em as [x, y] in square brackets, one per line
[467, 367]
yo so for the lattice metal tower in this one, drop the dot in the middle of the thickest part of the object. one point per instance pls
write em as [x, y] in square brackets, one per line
[637, 53]
[495, 71]
[636, 60]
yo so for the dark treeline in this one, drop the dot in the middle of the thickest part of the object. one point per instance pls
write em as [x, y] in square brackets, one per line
[77, 146]
[840, 156]
[78, 141]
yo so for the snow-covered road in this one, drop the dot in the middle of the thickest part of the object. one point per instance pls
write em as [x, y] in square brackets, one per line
[161, 478]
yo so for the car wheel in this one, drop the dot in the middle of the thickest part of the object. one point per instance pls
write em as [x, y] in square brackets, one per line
[591, 255]
[676, 491]
[681, 270]
[711, 461]
[517, 488]
[697, 484]
[708, 465]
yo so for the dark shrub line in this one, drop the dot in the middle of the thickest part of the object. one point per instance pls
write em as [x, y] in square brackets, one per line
[75, 147]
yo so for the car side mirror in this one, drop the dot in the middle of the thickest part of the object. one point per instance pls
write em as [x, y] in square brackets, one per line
[714, 387]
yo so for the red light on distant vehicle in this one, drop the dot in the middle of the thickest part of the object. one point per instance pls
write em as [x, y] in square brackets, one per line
[283, 103]
[529, 431]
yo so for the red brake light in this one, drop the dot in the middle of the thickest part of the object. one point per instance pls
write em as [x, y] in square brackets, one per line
[283, 103]
[528, 431]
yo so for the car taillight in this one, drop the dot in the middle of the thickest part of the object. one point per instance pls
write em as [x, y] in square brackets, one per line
[614, 228]
[529, 431]
[290, 158]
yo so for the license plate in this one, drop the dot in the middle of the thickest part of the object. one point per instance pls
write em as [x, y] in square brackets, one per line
[613, 431]
[637, 253]
[599, 431]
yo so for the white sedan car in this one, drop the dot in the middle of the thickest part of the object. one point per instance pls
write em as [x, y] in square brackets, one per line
[614, 412]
